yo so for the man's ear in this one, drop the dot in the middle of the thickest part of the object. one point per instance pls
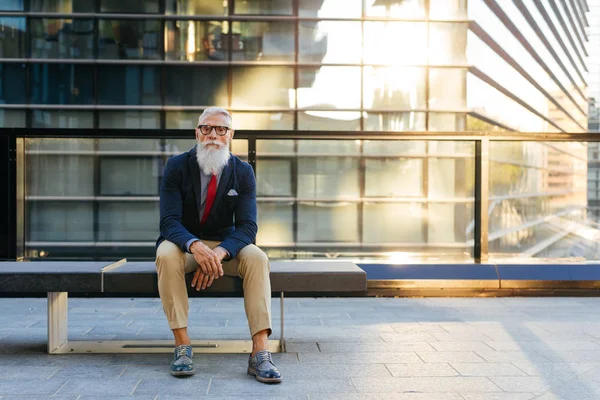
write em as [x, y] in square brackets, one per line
[231, 132]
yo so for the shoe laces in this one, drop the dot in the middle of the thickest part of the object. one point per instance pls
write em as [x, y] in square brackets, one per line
[263, 356]
[183, 350]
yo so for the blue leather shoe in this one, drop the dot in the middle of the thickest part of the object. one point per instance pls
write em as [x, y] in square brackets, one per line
[182, 364]
[263, 369]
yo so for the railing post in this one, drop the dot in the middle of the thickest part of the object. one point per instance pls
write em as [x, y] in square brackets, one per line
[8, 197]
[482, 186]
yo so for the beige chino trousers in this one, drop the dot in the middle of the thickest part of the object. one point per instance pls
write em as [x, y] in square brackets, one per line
[251, 265]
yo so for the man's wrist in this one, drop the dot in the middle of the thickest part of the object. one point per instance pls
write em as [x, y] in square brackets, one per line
[225, 253]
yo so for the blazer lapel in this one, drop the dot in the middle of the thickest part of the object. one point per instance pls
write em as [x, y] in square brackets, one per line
[195, 174]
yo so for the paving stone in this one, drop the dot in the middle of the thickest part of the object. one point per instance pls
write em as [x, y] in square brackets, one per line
[562, 371]
[426, 369]
[450, 356]
[89, 372]
[510, 356]
[376, 347]
[251, 387]
[424, 384]
[460, 346]
[24, 387]
[498, 396]
[487, 369]
[362, 358]
[99, 387]
[32, 372]
[534, 384]
[387, 396]
[174, 386]
[408, 337]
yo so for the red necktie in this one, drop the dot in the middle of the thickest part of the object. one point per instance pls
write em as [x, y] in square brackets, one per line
[210, 197]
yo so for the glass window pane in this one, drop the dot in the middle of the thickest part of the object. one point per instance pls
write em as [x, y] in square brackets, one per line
[448, 9]
[442, 177]
[129, 85]
[12, 118]
[447, 88]
[263, 121]
[262, 87]
[394, 88]
[126, 176]
[264, 7]
[129, 39]
[128, 221]
[330, 42]
[129, 145]
[196, 7]
[53, 221]
[129, 119]
[65, 145]
[327, 222]
[239, 148]
[448, 222]
[329, 121]
[209, 86]
[196, 40]
[178, 146]
[391, 177]
[276, 224]
[382, 44]
[395, 9]
[62, 84]
[62, 38]
[380, 223]
[129, 6]
[329, 87]
[12, 82]
[12, 37]
[393, 147]
[59, 175]
[448, 122]
[273, 177]
[11, 5]
[336, 147]
[476, 124]
[274, 146]
[62, 119]
[328, 177]
[447, 43]
[330, 8]
[61, 6]
[183, 120]
[410, 121]
[262, 41]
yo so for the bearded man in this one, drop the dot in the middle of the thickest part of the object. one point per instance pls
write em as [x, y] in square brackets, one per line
[207, 226]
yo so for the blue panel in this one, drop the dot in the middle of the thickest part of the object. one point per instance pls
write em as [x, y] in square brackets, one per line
[541, 272]
[430, 271]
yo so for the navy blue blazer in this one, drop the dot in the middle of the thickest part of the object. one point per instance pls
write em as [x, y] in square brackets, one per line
[232, 218]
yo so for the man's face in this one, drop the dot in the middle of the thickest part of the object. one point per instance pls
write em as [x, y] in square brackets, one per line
[214, 120]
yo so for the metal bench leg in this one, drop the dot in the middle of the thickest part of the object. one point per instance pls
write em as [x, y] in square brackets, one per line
[282, 339]
[57, 321]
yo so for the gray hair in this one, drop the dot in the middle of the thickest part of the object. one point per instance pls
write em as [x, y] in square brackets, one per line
[216, 111]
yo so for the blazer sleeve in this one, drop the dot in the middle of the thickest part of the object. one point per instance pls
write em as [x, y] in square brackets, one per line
[171, 207]
[245, 215]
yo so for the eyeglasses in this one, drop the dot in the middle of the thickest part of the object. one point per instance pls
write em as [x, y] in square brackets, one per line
[207, 129]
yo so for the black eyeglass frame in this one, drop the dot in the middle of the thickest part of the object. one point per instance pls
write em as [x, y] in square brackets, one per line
[216, 128]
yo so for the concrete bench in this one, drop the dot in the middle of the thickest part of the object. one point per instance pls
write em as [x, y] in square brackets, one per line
[58, 278]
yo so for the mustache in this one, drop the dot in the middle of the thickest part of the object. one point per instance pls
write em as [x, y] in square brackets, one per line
[220, 145]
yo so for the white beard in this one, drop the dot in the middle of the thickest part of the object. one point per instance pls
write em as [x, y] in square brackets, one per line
[212, 161]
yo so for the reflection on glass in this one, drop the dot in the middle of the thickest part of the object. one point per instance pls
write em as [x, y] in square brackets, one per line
[395, 9]
[129, 145]
[54, 221]
[12, 118]
[59, 175]
[447, 43]
[62, 38]
[196, 40]
[276, 224]
[262, 41]
[329, 87]
[12, 82]
[393, 147]
[129, 6]
[278, 147]
[128, 221]
[442, 177]
[329, 121]
[393, 177]
[61, 6]
[447, 223]
[477, 124]
[397, 122]
[448, 9]
[62, 119]
[129, 85]
[394, 88]
[271, 7]
[330, 8]
[330, 147]
[183, 120]
[129, 119]
[395, 43]
[239, 148]
[381, 223]
[179, 82]
[11, 5]
[327, 222]
[178, 146]
[262, 87]
[125, 176]
[196, 7]
[447, 88]
[62, 83]
[275, 177]
[448, 122]
[328, 177]
[64, 145]
[330, 42]
[263, 121]
[12, 37]
[129, 39]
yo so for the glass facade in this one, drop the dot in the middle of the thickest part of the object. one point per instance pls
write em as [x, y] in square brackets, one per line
[285, 65]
